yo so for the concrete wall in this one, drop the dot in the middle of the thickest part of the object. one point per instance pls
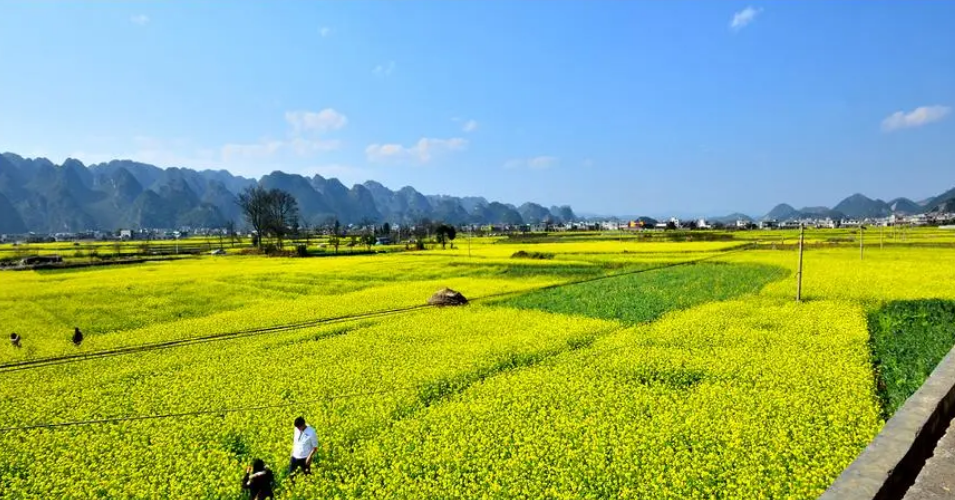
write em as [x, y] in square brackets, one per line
[892, 461]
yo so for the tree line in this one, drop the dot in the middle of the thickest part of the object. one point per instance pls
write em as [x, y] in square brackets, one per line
[274, 213]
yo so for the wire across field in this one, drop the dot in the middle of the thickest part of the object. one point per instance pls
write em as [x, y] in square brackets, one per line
[725, 390]
[54, 360]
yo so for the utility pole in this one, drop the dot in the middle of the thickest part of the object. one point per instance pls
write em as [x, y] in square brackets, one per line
[882, 238]
[861, 242]
[470, 229]
[802, 232]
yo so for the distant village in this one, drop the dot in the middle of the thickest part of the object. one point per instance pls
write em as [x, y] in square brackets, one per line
[924, 219]
[609, 224]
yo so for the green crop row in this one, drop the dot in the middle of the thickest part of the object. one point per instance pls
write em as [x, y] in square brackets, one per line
[908, 339]
[638, 297]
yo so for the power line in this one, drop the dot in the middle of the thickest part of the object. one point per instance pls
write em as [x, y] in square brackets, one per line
[219, 411]
[55, 360]
[248, 408]
[118, 351]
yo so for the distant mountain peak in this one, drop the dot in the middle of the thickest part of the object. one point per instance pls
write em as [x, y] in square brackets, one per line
[905, 206]
[45, 197]
[859, 206]
[782, 211]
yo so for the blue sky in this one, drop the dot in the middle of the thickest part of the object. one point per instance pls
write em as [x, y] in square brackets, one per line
[613, 107]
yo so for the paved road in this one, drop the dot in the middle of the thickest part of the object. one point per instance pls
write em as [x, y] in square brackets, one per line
[937, 479]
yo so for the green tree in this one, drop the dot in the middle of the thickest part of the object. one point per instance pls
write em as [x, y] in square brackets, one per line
[445, 233]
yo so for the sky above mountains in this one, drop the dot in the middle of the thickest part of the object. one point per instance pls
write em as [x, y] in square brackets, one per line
[611, 107]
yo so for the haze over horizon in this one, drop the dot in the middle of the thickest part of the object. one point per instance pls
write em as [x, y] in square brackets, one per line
[653, 108]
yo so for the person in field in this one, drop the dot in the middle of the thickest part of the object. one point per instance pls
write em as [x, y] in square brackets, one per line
[259, 481]
[77, 336]
[15, 339]
[304, 444]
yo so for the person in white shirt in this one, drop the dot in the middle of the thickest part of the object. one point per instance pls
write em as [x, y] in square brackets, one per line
[304, 444]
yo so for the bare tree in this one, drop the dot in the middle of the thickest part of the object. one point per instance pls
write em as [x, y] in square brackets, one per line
[306, 230]
[254, 202]
[269, 212]
[283, 214]
[230, 231]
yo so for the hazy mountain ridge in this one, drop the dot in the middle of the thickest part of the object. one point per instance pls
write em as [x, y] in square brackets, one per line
[38, 195]
[856, 206]
[859, 206]
[942, 202]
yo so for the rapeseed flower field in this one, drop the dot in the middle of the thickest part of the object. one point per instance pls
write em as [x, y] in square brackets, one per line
[606, 371]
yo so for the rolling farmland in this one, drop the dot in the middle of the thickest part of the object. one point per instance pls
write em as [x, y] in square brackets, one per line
[625, 369]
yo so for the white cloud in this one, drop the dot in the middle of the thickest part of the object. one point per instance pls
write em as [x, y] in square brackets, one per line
[322, 121]
[536, 163]
[384, 69]
[542, 162]
[304, 139]
[269, 148]
[303, 142]
[423, 151]
[325, 31]
[470, 126]
[922, 115]
[140, 19]
[744, 17]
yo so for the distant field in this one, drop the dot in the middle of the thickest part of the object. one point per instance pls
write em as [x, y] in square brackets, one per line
[637, 298]
[502, 246]
[613, 369]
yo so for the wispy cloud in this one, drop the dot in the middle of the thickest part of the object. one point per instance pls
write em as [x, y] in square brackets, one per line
[140, 19]
[304, 139]
[922, 115]
[384, 69]
[270, 148]
[743, 18]
[536, 163]
[587, 163]
[421, 152]
[470, 126]
[325, 31]
[321, 121]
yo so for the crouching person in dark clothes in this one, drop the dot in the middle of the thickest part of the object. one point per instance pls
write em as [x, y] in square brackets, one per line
[304, 444]
[258, 481]
[15, 339]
